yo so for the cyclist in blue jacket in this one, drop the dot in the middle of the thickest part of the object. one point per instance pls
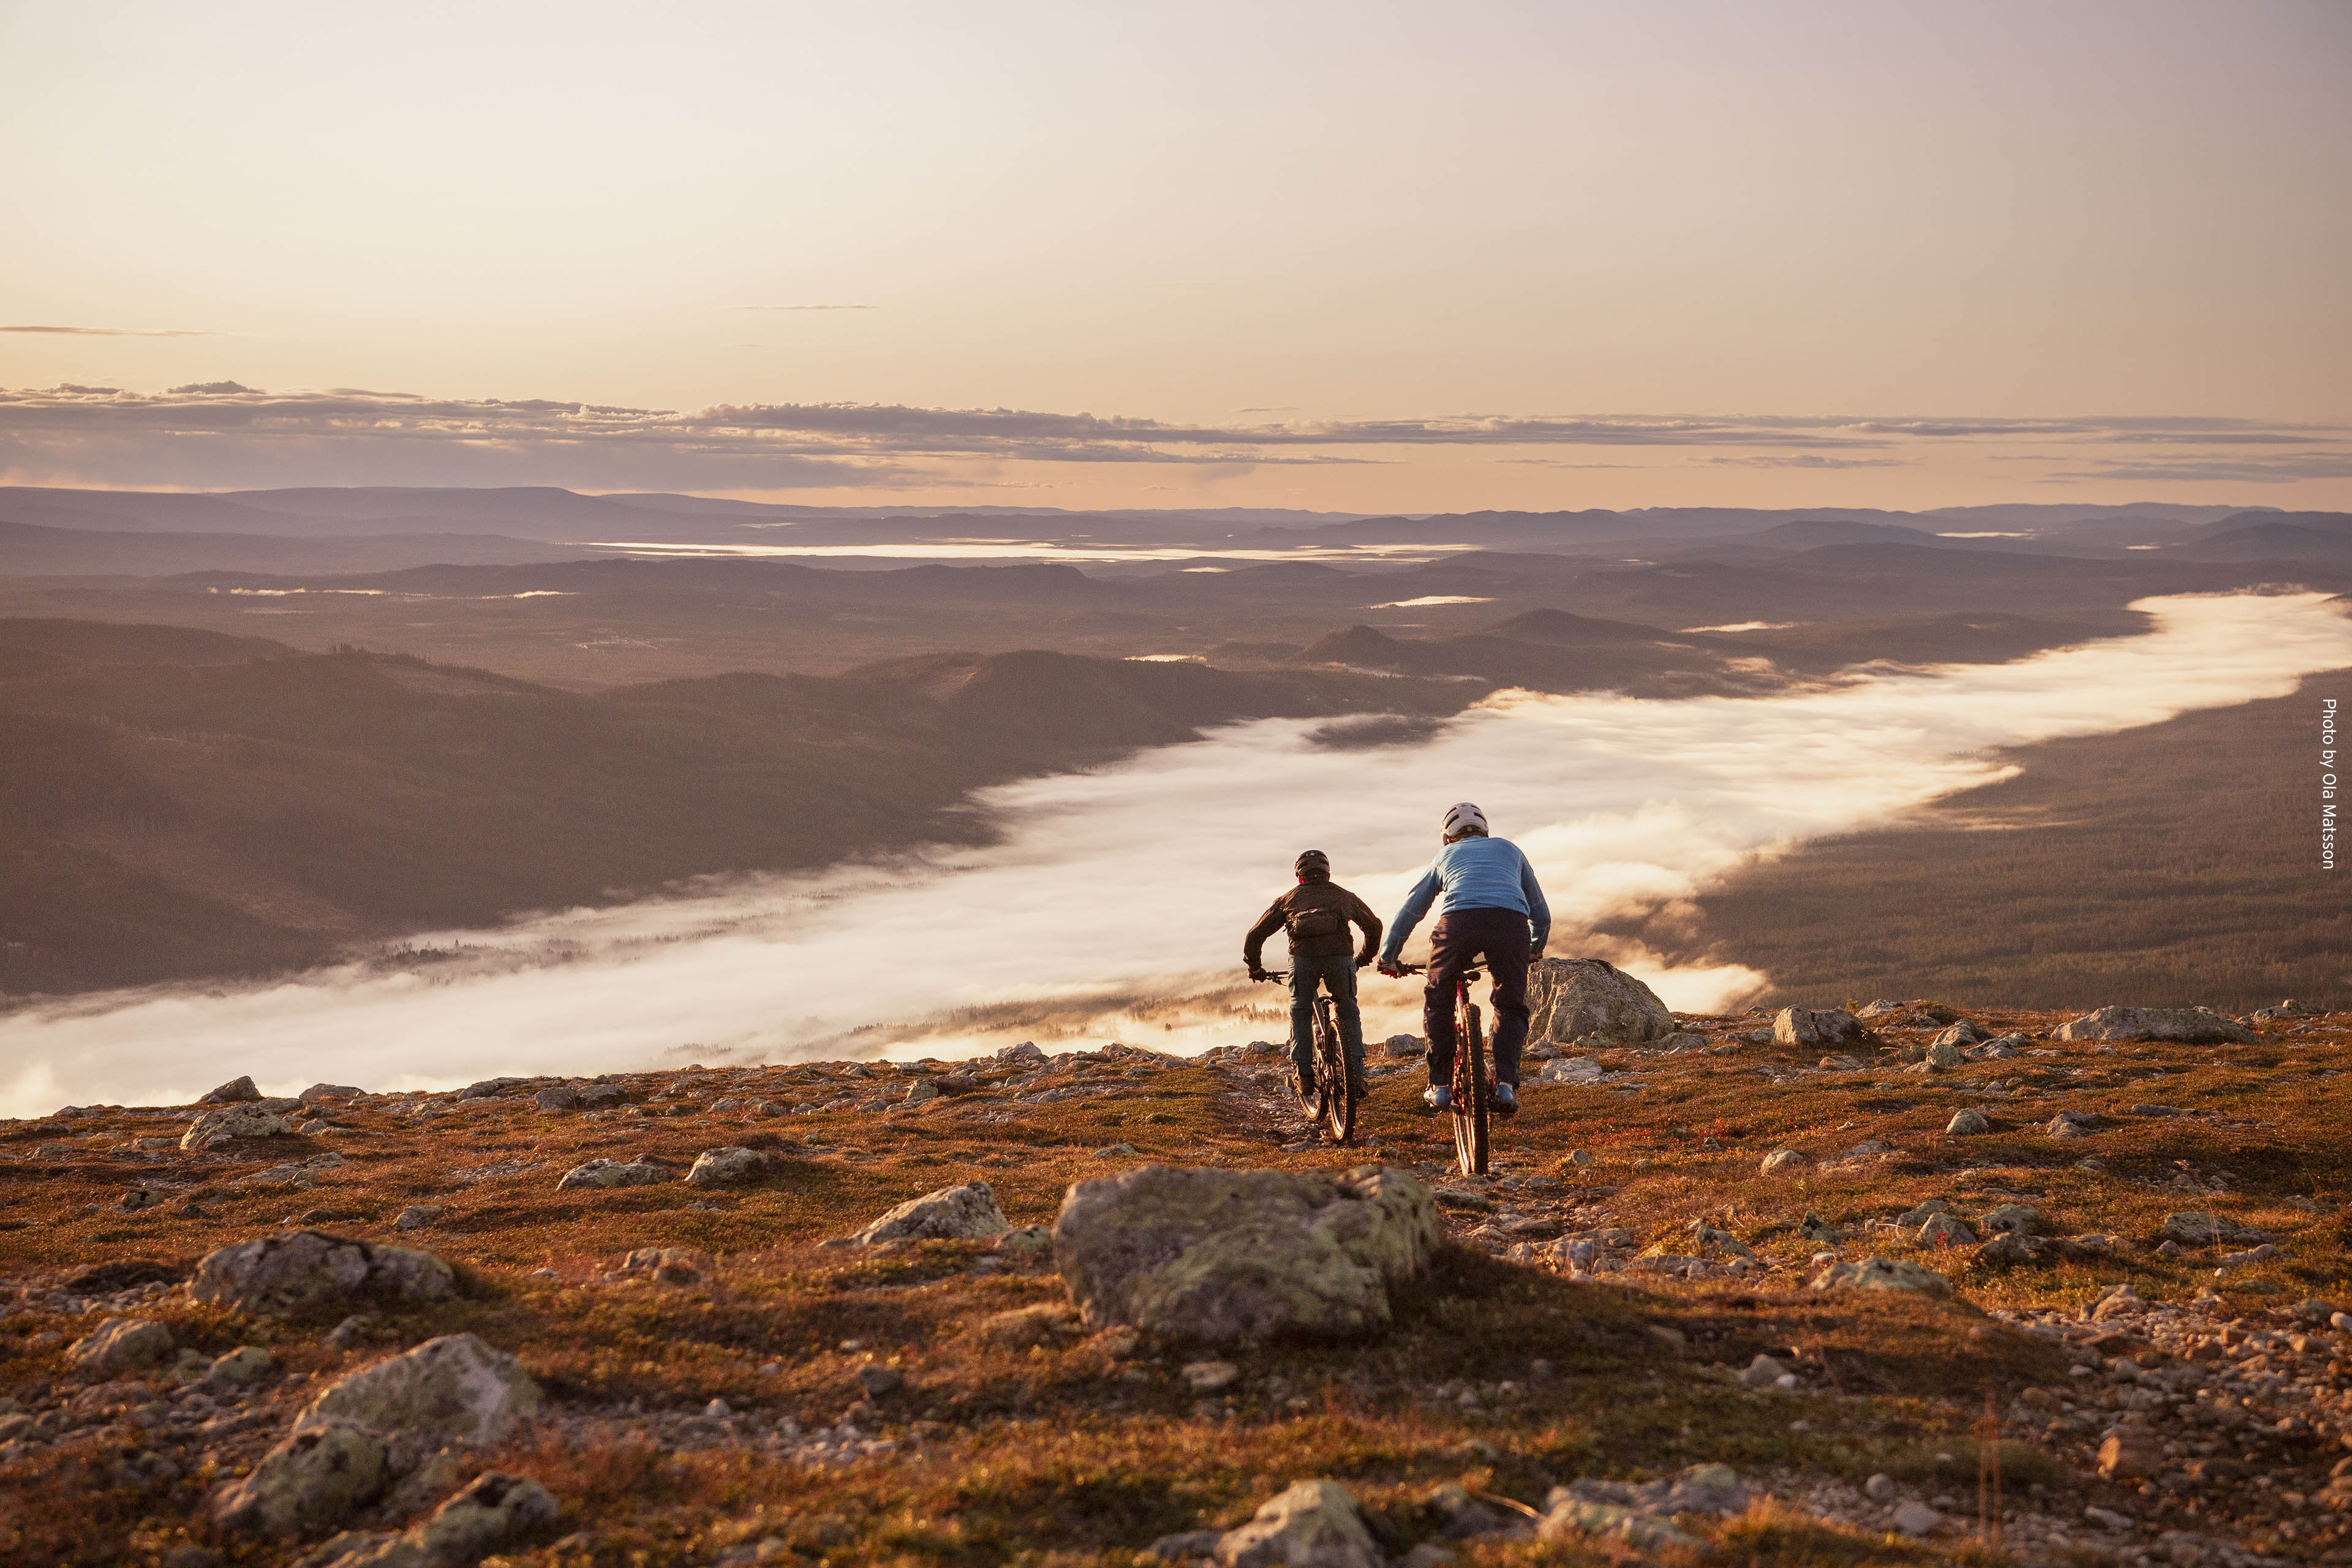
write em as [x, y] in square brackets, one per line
[1495, 913]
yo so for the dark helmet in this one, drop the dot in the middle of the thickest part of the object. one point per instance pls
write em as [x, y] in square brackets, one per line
[1312, 863]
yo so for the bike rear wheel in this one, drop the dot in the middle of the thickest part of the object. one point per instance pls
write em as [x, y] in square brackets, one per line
[1470, 1102]
[1338, 1111]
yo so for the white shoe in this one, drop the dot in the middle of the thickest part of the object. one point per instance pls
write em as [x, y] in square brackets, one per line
[1437, 1097]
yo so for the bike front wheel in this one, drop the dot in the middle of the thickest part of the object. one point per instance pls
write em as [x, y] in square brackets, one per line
[1470, 1094]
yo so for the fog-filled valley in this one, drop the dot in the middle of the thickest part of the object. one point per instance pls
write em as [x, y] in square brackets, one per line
[891, 795]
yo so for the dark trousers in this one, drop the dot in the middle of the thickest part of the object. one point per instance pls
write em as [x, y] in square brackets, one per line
[1338, 974]
[1463, 940]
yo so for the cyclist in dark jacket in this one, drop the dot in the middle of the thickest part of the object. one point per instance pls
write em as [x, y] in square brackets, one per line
[1317, 914]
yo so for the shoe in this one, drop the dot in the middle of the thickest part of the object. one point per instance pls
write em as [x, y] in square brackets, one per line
[1301, 1084]
[1437, 1097]
[1506, 1099]
[1356, 1087]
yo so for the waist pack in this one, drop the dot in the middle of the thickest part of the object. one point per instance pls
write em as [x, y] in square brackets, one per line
[1309, 925]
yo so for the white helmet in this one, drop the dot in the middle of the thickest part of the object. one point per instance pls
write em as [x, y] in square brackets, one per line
[1464, 818]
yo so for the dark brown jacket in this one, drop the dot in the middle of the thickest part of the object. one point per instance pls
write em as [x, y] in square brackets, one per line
[1315, 915]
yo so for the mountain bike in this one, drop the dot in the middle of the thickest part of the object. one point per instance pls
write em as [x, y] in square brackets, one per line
[1329, 1099]
[1472, 1096]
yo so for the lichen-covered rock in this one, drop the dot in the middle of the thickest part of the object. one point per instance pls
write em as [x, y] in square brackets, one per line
[239, 1368]
[559, 1097]
[726, 1167]
[311, 1481]
[965, 1213]
[1573, 998]
[299, 1267]
[493, 1510]
[245, 1121]
[1884, 1274]
[1315, 1524]
[2188, 1025]
[1783, 1163]
[1817, 1028]
[455, 1389]
[121, 1344]
[1966, 1032]
[1221, 1257]
[236, 1090]
[2022, 1218]
[1967, 1122]
[637, 1172]
[2198, 1229]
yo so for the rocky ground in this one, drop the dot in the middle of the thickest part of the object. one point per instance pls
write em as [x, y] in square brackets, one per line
[1902, 1288]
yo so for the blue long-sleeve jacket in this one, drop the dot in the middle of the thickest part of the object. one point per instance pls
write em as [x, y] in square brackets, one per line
[1474, 873]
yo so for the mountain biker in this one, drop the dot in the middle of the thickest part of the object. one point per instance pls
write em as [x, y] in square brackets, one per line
[1494, 909]
[1317, 914]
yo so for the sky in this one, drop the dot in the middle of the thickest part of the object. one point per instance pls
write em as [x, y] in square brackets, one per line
[1361, 257]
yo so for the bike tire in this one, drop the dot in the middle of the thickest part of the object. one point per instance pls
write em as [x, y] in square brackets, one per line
[1470, 1103]
[1331, 1067]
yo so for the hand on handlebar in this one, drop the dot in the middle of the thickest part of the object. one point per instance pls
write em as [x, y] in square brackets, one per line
[1256, 972]
[1392, 969]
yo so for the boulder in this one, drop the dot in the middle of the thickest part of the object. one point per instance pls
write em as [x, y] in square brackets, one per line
[1871, 1012]
[1783, 1163]
[1681, 1040]
[296, 1269]
[966, 1213]
[2071, 1124]
[637, 1172]
[1571, 1069]
[1967, 1123]
[1406, 1046]
[559, 1097]
[455, 1389]
[417, 1216]
[672, 1265]
[2009, 1249]
[1883, 1274]
[119, 1346]
[2198, 1229]
[240, 1120]
[602, 1095]
[1966, 1032]
[1315, 1524]
[329, 1091]
[1571, 998]
[727, 1168]
[1943, 1054]
[2188, 1025]
[311, 1481]
[493, 1510]
[240, 1368]
[230, 1093]
[1818, 1028]
[1222, 1257]
[919, 1091]
[1024, 1053]
[1916, 1518]
[1943, 1230]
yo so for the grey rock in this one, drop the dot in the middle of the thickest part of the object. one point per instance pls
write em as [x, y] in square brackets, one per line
[2022, 1218]
[455, 1389]
[1680, 1040]
[2187, 1026]
[1115, 1152]
[1967, 1123]
[121, 1344]
[1185, 1546]
[727, 1168]
[1574, 998]
[1783, 1162]
[637, 1172]
[1966, 1032]
[1818, 1028]
[1406, 1046]
[1222, 1257]
[2071, 1124]
[296, 1269]
[877, 1380]
[330, 1092]
[230, 1093]
[1943, 1054]
[1883, 1274]
[417, 1216]
[602, 1095]
[493, 1510]
[1027, 1051]
[1571, 1069]
[240, 1368]
[1943, 1230]
[241, 1120]
[1314, 1525]
[1208, 1376]
[1916, 1518]
[1763, 1372]
[1026, 1238]
[1814, 1228]
[312, 1480]
[1880, 1488]
[2198, 1229]
[558, 1099]
[965, 1213]
[917, 1092]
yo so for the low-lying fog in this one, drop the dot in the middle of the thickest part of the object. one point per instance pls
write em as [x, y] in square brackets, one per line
[1115, 906]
